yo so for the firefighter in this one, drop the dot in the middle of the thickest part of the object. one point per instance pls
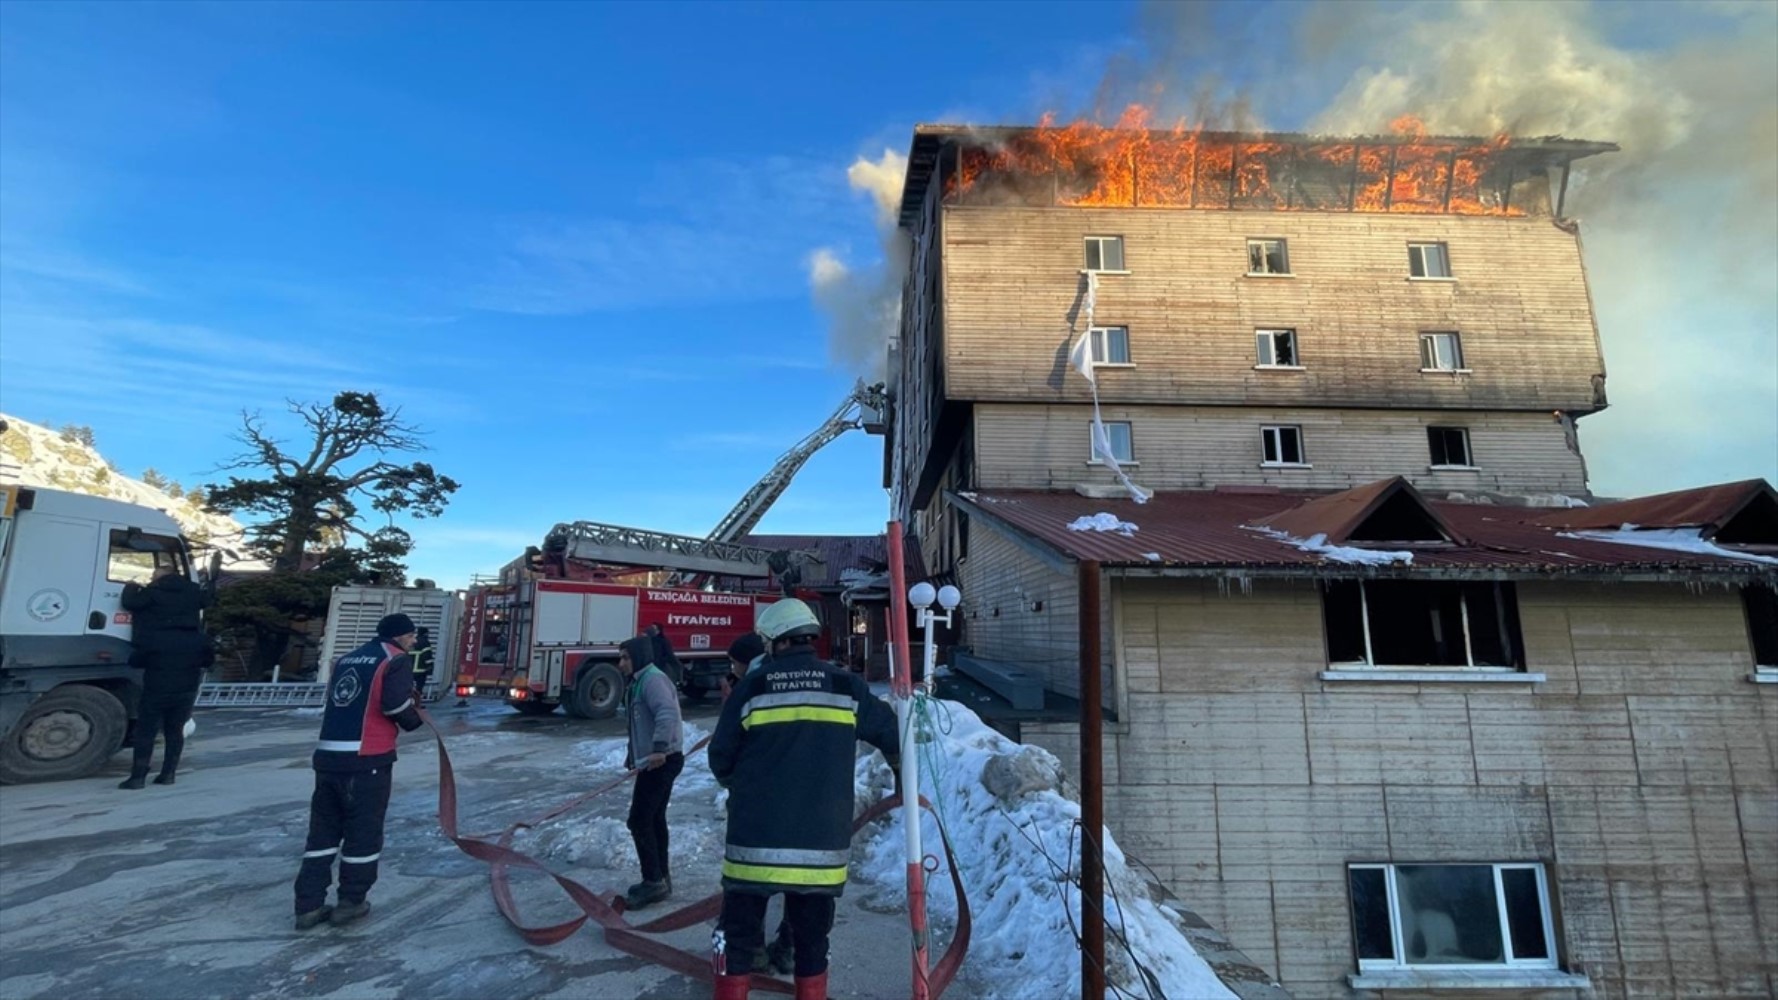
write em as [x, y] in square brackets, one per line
[783, 748]
[169, 645]
[745, 655]
[656, 752]
[369, 695]
[423, 658]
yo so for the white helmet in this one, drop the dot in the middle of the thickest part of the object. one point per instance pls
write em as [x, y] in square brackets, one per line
[787, 619]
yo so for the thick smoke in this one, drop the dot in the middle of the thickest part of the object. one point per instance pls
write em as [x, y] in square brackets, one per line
[863, 304]
[1681, 227]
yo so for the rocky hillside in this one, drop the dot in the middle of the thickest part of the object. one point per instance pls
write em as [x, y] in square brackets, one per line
[34, 455]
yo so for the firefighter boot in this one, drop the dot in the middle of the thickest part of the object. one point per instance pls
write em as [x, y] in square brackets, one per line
[346, 912]
[812, 987]
[164, 778]
[645, 894]
[732, 987]
[137, 779]
[314, 918]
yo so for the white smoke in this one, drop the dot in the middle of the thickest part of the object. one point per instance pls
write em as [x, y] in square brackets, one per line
[1681, 227]
[863, 303]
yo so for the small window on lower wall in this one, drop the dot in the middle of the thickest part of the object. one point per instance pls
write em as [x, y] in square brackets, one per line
[1477, 917]
[1422, 623]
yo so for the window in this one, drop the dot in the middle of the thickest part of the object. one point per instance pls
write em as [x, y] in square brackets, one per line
[1423, 623]
[1283, 445]
[1111, 345]
[1277, 348]
[1761, 604]
[1105, 253]
[1476, 916]
[1450, 447]
[1440, 352]
[1123, 447]
[135, 556]
[1428, 260]
[1267, 257]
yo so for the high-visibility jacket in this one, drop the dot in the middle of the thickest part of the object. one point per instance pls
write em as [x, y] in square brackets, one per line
[370, 694]
[784, 748]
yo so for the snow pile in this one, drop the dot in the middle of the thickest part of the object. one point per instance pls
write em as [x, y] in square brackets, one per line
[34, 455]
[1016, 836]
[1103, 522]
[1672, 539]
[606, 756]
[1317, 543]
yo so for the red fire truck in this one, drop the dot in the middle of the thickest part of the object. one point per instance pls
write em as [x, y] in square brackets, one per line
[554, 642]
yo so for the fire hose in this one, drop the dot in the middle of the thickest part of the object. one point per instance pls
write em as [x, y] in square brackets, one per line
[501, 857]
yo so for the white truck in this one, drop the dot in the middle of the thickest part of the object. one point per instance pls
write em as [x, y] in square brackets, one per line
[353, 613]
[67, 691]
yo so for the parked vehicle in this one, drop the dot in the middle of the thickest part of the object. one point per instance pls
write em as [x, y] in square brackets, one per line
[353, 613]
[67, 691]
[545, 643]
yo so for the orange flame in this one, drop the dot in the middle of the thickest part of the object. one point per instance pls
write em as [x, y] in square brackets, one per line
[1130, 164]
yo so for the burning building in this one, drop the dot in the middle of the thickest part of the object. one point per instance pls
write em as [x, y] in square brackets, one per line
[1391, 698]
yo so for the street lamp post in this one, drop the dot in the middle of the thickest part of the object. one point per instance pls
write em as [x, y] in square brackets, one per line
[921, 596]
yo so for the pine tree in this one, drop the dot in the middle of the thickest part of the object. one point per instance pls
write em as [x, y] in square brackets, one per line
[155, 479]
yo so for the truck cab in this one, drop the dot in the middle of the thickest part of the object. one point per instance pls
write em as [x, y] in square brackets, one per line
[67, 691]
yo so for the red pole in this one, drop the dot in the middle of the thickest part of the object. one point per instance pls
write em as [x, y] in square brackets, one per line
[902, 684]
[1092, 792]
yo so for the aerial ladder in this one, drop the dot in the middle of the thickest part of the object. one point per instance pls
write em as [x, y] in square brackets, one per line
[719, 553]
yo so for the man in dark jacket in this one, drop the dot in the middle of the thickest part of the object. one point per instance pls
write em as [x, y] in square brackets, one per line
[664, 657]
[422, 656]
[167, 636]
[784, 748]
[368, 696]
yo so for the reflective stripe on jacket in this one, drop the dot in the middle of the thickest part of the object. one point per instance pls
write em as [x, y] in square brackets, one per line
[785, 747]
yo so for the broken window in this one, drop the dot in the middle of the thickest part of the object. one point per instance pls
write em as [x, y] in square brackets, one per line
[1450, 447]
[1105, 253]
[1422, 623]
[1481, 916]
[1428, 260]
[1282, 445]
[1761, 604]
[1111, 345]
[1123, 448]
[1440, 352]
[1277, 348]
[1267, 257]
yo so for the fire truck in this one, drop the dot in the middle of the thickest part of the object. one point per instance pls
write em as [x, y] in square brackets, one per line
[541, 638]
[544, 643]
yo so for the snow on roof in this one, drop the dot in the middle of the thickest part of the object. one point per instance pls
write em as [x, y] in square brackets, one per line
[1318, 543]
[1103, 522]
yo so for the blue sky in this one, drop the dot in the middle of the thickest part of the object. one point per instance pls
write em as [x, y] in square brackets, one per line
[570, 240]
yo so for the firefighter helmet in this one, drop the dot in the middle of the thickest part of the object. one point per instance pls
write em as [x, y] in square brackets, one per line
[787, 619]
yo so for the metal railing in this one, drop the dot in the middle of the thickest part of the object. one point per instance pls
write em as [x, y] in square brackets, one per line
[241, 695]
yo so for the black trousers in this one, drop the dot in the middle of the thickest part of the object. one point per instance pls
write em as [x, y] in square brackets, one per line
[648, 817]
[163, 711]
[345, 820]
[741, 931]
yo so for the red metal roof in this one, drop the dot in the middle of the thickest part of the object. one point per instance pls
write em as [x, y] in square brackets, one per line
[1707, 507]
[1217, 530]
[1338, 515]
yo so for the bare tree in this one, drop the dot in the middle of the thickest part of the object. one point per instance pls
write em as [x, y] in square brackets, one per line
[307, 507]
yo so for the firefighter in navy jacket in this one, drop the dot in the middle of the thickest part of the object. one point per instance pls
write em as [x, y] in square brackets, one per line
[784, 748]
[370, 694]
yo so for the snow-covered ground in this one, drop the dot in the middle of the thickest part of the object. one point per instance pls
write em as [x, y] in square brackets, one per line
[1016, 833]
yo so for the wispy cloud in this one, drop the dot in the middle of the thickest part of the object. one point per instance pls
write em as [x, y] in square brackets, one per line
[704, 231]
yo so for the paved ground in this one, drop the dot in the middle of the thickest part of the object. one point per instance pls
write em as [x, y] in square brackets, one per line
[185, 892]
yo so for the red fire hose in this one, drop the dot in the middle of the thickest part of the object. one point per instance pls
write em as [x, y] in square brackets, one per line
[498, 852]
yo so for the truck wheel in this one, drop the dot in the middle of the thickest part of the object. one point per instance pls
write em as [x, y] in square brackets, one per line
[69, 733]
[534, 707]
[597, 690]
